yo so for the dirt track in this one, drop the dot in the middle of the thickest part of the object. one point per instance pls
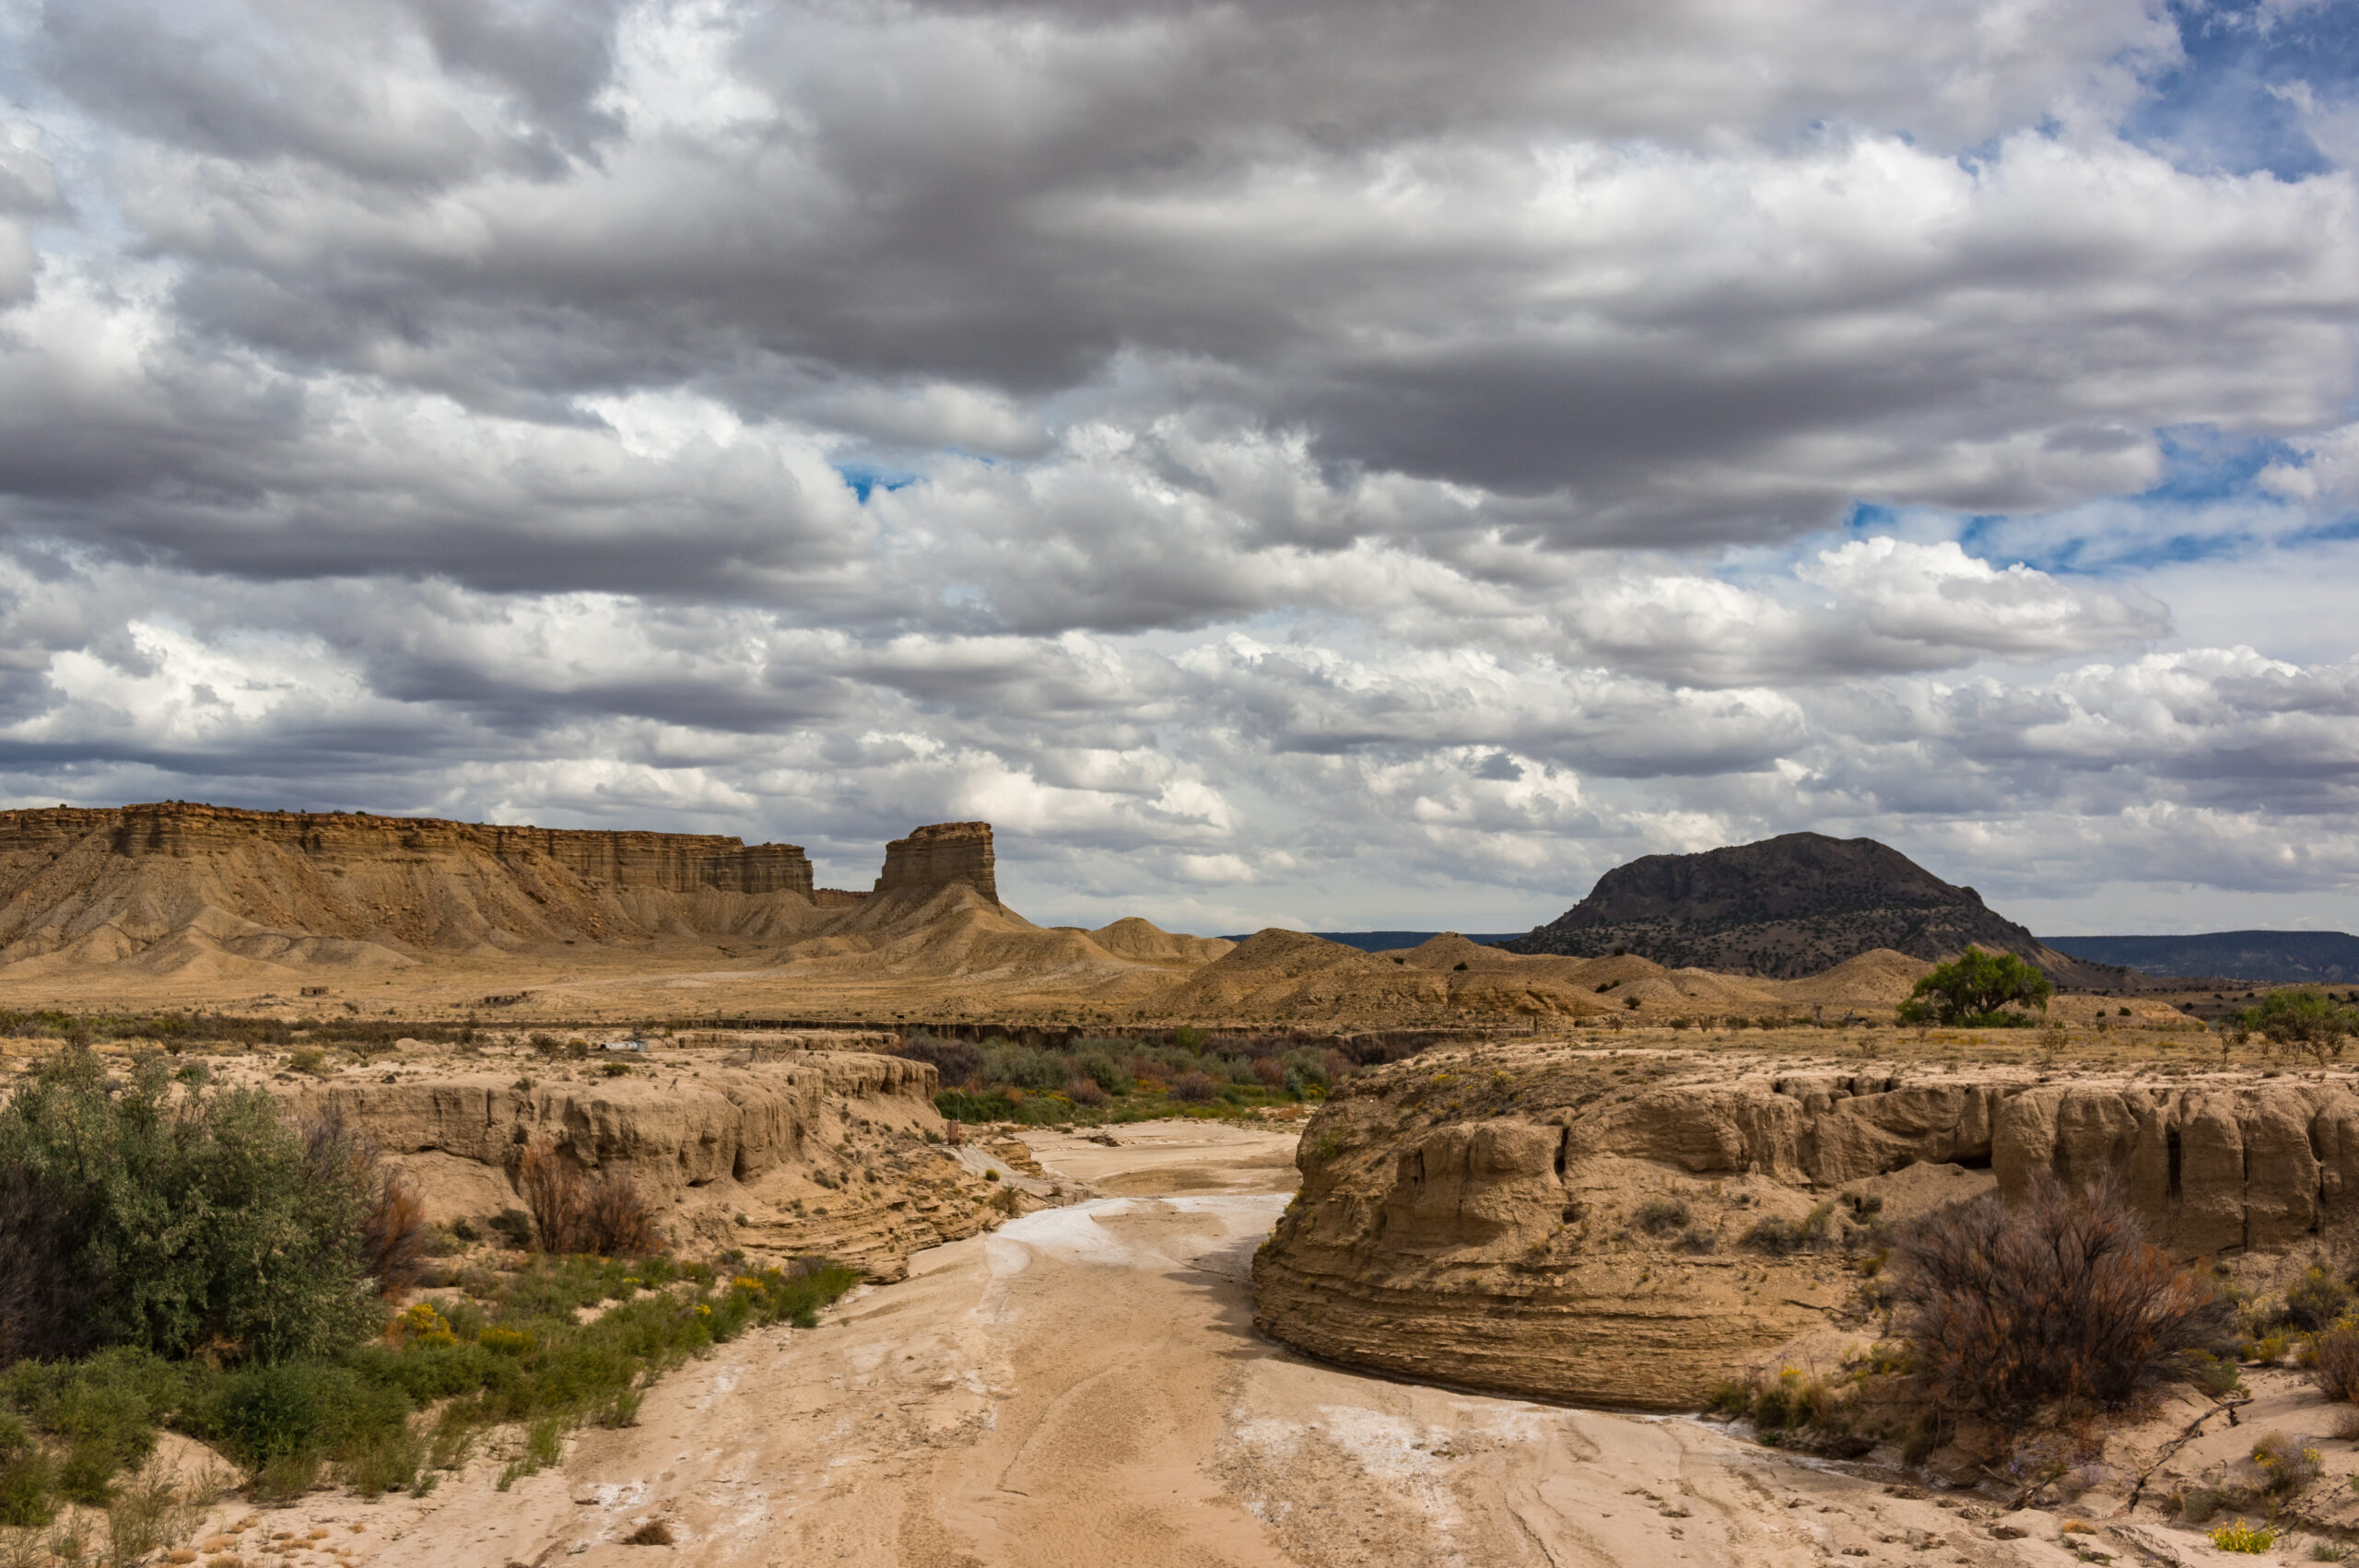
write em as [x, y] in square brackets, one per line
[1084, 1387]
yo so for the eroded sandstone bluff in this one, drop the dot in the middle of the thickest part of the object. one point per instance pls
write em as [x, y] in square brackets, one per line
[1484, 1218]
[821, 1151]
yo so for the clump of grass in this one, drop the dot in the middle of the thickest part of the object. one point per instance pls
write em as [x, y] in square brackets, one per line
[655, 1532]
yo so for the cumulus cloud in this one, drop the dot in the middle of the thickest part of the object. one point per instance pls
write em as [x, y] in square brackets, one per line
[1278, 461]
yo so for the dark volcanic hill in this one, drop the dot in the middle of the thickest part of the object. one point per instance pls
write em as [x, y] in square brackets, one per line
[1790, 906]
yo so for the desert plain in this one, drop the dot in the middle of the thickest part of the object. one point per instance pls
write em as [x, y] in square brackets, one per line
[1444, 1255]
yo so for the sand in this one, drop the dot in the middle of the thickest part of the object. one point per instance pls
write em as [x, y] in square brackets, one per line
[1083, 1390]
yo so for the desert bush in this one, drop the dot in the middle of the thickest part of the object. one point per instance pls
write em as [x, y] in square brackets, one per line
[614, 1219]
[655, 1532]
[1085, 1092]
[604, 1216]
[2241, 1537]
[2334, 1360]
[2305, 1019]
[1194, 1088]
[2060, 1299]
[1660, 1216]
[1697, 1240]
[551, 1186]
[2283, 1465]
[138, 1213]
[1778, 1237]
[2315, 1300]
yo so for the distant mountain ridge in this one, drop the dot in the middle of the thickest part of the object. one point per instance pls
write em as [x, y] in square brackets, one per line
[1385, 941]
[2260, 957]
[1793, 906]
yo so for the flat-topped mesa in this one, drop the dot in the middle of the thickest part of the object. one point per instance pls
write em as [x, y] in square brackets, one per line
[936, 857]
[680, 862]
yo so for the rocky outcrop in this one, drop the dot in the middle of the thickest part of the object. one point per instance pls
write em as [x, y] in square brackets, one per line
[822, 1152]
[940, 856]
[1790, 906]
[671, 862]
[1482, 1218]
[211, 893]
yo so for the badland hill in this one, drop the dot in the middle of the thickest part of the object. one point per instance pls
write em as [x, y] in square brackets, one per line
[1793, 906]
[195, 897]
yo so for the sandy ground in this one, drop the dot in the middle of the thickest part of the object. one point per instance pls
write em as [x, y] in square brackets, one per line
[1084, 1387]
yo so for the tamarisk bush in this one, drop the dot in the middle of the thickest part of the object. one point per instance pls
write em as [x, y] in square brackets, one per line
[2058, 1301]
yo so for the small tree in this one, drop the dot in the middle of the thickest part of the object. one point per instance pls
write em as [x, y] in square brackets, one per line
[1975, 988]
[2306, 1020]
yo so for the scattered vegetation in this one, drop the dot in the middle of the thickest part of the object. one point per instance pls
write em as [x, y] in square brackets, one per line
[177, 1255]
[2305, 1019]
[1117, 1080]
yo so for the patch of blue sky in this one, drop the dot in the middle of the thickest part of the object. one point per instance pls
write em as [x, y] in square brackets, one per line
[866, 480]
[2252, 77]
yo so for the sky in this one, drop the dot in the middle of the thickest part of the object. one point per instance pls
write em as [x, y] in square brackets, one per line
[1370, 465]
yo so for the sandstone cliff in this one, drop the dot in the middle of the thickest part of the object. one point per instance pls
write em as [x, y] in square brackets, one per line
[938, 856]
[198, 892]
[1481, 1218]
[819, 1153]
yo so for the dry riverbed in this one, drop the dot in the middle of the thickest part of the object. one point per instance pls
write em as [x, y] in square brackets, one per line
[1084, 1387]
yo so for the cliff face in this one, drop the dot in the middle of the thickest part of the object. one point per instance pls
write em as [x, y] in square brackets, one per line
[1790, 906]
[179, 888]
[670, 862]
[934, 858]
[1481, 1218]
[819, 1153]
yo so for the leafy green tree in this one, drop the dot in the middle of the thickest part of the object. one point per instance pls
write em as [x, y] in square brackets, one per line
[2308, 1019]
[1975, 989]
[141, 1212]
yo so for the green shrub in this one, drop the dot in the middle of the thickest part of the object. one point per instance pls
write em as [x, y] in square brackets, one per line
[129, 1215]
[25, 1477]
[2307, 1018]
[385, 1459]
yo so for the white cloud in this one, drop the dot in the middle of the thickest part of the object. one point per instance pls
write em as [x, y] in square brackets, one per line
[1320, 463]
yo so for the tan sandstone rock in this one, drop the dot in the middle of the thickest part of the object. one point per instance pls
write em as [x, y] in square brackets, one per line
[1479, 1217]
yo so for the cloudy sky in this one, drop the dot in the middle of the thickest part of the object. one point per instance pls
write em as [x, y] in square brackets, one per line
[1347, 465]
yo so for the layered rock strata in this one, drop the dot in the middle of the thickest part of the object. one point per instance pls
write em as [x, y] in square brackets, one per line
[193, 889]
[939, 856]
[1573, 1224]
[824, 1153]
[671, 862]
